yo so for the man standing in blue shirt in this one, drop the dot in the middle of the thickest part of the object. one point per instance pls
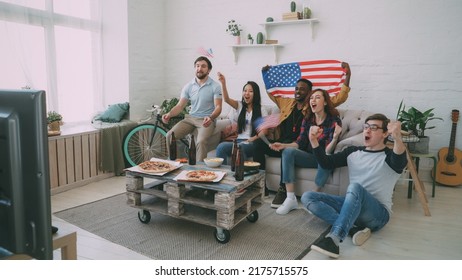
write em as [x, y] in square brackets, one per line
[206, 103]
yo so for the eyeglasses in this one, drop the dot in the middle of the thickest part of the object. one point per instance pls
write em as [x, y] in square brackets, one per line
[373, 127]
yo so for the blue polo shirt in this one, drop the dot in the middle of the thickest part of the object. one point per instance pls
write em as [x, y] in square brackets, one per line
[202, 97]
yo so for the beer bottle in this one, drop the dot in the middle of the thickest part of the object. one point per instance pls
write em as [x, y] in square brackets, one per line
[192, 151]
[239, 173]
[172, 147]
[233, 155]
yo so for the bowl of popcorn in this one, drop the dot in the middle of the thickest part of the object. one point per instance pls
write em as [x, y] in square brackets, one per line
[213, 162]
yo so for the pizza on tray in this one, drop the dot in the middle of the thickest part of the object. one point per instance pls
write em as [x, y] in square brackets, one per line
[201, 175]
[156, 166]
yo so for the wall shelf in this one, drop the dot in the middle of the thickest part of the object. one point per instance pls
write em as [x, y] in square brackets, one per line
[237, 48]
[311, 22]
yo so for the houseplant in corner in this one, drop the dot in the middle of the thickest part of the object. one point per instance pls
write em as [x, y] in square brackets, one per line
[415, 122]
[234, 29]
[54, 120]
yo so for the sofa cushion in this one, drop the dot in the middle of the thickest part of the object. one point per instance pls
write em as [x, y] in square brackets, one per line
[352, 122]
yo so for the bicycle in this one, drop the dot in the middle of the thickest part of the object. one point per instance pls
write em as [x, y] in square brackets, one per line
[148, 140]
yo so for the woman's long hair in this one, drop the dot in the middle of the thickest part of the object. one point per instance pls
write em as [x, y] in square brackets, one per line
[256, 108]
[329, 108]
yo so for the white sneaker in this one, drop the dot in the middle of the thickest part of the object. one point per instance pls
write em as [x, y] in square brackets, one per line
[361, 236]
[288, 205]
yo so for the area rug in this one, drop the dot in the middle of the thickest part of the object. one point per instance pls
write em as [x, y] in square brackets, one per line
[271, 237]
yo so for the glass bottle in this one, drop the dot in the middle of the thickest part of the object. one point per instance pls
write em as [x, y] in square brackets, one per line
[239, 173]
[233, 155]
[192, 151]
[172, 147]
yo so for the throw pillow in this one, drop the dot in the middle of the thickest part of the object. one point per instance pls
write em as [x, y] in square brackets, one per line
[114, 113]
[229, 133]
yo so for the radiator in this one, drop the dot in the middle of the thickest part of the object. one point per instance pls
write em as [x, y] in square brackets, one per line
[74, 160]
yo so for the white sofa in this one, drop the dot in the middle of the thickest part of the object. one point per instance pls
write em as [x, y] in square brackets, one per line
[352, 121]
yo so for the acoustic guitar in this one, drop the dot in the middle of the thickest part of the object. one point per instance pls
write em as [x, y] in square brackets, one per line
[449, 167]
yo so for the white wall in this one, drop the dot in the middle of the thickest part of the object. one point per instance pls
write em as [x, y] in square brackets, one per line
[115, 51]
[407, 49]
[146, 54]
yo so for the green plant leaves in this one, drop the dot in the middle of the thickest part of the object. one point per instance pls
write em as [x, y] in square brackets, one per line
[414, 120]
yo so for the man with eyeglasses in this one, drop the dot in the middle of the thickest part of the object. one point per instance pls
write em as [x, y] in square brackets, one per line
[374, 169]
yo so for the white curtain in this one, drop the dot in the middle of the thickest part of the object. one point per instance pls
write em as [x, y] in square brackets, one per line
[54, 45]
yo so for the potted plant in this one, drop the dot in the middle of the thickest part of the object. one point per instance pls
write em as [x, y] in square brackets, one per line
[415, 122]
[249, 39]
[234, 29]
[54, 120]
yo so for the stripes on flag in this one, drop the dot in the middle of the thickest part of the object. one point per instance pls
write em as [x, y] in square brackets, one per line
[266, 122]
[280, 80]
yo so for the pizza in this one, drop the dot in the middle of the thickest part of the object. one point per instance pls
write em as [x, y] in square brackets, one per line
[201, 175]
[155, 166]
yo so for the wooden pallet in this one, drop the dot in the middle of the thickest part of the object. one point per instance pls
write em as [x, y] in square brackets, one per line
[213, 204]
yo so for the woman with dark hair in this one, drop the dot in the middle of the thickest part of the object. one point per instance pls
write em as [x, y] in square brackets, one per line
[321, 113]
[246, 112]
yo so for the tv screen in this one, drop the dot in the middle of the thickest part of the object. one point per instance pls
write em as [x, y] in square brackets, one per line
[25, 210]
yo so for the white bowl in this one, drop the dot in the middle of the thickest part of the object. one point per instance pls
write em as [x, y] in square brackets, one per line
[213, 162]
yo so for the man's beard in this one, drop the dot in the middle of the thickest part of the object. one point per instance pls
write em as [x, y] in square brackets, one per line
[299, 98]
[201, 76]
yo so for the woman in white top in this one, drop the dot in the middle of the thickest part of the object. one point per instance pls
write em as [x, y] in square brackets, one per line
[246, 112]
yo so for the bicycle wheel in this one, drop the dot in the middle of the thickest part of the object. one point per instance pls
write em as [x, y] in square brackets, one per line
[136, 145]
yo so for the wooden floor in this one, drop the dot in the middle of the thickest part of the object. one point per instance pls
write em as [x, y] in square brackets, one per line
[408, 235]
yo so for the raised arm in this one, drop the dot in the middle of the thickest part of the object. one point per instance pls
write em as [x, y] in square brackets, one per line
[233, 103]
[343, 94]
[331, 146]
[394, 128]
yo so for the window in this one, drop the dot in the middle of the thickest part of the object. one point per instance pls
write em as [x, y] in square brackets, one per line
[53, 45]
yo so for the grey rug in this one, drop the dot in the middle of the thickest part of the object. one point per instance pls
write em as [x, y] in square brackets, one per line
[272, 237]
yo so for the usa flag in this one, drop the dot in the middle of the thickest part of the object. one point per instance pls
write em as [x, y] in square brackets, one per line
[280, 80]
[269, 121]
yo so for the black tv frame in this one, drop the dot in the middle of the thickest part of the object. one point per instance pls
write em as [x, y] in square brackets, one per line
[25, 208]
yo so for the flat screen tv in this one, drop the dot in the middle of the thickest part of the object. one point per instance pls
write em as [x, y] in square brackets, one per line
[25, 210]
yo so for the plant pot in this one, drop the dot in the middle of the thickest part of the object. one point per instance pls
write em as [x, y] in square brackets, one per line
[54, 126]
[237, 40]
[420, 147]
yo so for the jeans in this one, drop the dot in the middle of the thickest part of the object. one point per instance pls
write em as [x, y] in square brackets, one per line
[260, 150]
[358, 207]
[293, 157]
[224, 150]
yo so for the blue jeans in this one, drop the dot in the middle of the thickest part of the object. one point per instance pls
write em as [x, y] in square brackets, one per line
[225, 149]
[358, 207]
[293, 157]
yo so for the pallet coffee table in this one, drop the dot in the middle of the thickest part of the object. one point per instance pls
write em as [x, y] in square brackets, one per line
[213, 204]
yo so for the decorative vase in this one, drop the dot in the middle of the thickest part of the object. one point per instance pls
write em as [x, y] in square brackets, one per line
[237, 40]
[260, 38]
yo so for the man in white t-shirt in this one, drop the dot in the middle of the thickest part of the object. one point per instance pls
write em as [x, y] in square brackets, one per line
[373, 170]
[206, 103]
